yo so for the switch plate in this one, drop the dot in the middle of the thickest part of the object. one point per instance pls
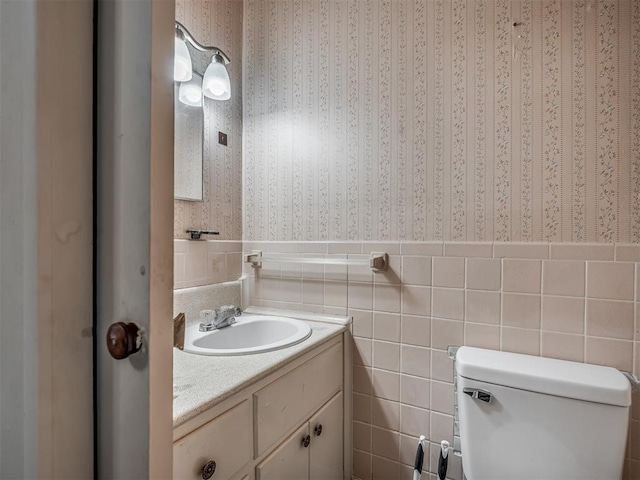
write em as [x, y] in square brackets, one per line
[222, 138]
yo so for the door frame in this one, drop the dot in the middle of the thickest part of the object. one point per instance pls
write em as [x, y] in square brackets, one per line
[47, 342]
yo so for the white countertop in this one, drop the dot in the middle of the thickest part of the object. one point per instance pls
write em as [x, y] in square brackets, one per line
[200, 381]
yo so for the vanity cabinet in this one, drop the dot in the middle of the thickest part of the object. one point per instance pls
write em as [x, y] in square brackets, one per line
[314, 451]
[290, 425]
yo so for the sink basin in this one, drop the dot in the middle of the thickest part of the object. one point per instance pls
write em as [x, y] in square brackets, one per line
[250, 334]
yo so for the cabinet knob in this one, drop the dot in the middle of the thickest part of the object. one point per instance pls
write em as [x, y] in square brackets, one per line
[318, 430]
[306, 440]
[123, 339]
[208, 470]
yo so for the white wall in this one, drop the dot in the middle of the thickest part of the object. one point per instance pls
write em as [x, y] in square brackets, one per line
[18, 222]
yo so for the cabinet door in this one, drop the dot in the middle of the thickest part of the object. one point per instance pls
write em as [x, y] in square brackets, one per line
[290, 461]
[327, 439]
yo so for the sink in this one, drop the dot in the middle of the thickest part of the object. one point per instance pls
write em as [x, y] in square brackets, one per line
[250, 334]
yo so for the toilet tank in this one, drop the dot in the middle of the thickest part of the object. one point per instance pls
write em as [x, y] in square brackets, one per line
[524, 417]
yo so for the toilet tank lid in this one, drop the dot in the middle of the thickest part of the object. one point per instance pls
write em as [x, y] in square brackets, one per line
[581, 381]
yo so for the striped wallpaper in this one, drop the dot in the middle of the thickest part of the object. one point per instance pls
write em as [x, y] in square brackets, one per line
[441, 120]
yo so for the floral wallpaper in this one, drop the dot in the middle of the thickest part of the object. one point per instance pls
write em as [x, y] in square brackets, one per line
[217, 23]
[469, 120]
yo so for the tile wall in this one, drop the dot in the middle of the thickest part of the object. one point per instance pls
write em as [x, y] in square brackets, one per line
[205, 262]
[569, 301]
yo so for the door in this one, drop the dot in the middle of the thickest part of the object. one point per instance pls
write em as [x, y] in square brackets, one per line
[327, 433]
[290, 461]
[134, 230]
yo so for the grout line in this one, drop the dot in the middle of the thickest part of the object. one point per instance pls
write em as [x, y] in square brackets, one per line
[635, 316]
[584, 345]
[542, 301]
[501, 322]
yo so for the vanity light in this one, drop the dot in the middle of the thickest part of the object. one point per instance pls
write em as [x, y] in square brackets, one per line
[216, 83]
[190, 93]
[182, 69]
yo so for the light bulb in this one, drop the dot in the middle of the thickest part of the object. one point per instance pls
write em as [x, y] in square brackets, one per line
[217, 87]
[193, 95]
[182, 69]
[190, 93]
[216, 83]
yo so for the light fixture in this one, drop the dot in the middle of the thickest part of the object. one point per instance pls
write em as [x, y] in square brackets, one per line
[216, 83]
[190, 93]
[182, 68]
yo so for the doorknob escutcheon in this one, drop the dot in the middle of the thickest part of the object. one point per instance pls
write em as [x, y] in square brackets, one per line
[122, 339]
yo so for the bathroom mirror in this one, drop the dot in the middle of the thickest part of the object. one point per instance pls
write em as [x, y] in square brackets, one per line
[188, 146]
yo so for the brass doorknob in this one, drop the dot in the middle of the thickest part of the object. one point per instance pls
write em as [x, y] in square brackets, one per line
[123, 339]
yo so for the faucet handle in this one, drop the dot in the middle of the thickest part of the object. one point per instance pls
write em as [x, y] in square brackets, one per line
[229, 310]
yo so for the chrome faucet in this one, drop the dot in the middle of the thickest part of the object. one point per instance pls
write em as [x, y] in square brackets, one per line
[222, 317]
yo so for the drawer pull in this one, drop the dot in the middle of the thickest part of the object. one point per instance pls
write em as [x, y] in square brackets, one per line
[318, 430]
[306, 440]
[208, 470]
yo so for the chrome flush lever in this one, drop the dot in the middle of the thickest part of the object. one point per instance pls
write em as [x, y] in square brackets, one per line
[478, 394]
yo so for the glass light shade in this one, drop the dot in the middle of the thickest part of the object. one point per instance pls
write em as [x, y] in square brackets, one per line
[190, 93]
[182, 68]
[216, 83]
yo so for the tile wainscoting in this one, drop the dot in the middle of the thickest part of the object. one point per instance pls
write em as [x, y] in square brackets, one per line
[205, 262]
[570, 301]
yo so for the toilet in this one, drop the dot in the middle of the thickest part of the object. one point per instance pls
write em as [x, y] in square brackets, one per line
[523, 417]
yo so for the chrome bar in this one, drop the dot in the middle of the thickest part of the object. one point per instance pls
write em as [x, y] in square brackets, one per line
[185, 34]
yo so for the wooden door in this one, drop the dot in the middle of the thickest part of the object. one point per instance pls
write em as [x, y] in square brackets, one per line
[134, 235]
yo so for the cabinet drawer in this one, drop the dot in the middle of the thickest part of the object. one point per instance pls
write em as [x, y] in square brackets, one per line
[290, 400]
[227, 440]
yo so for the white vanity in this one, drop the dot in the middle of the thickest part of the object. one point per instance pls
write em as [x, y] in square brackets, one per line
[284, 414]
